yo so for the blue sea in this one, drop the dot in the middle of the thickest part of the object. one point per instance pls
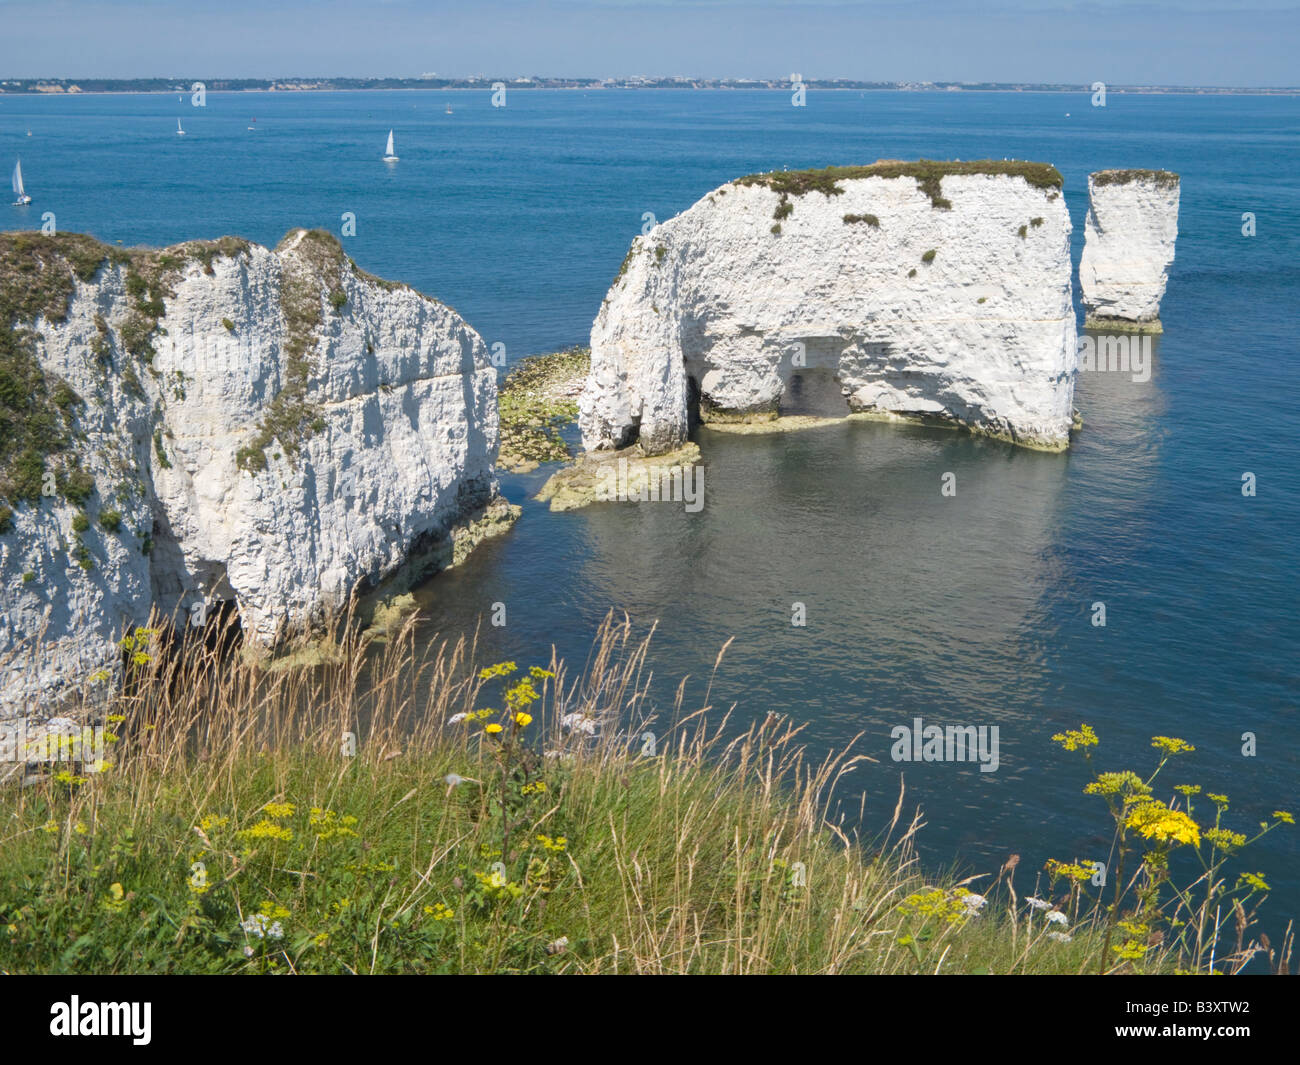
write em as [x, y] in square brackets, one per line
[976, 609]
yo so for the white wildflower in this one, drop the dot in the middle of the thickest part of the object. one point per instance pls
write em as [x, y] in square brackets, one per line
[974, 903]
[1057, 917]
[255, 925]
[1037, 903]
[1060, 937]
[276, 931]
[456, 719]
[452, 779]
[579, 722]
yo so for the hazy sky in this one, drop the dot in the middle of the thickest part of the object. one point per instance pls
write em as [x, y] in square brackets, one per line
[1170, 42]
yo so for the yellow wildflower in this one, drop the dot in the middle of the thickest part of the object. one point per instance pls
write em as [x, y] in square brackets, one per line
[267, 830]
[1125, 783]
[51, 827]
[1171, 745]
[492, 729]
[1068, 869]
[1224, 839]
[1284, 817]
[278, 809]
[947, 906]
[1255, 881]
[523, 720]
[521, 695]
[116, 899]
[501, 669]
[1074, 739]
[496, 886]
[1155, 820]
[439, 912]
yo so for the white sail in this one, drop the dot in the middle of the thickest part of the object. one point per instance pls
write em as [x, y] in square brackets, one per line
[18, 180]
[389, 150]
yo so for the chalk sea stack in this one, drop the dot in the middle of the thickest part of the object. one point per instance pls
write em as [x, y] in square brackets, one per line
[1129, 238]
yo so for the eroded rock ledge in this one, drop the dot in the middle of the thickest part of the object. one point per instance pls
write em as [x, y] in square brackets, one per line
[924, 290]
[216, 423]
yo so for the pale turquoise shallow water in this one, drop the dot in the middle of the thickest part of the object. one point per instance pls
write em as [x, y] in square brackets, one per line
[966, 610]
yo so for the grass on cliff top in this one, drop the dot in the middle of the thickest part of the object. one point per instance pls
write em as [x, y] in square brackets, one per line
[537, 400]
[441, 817]
[929, 175]
[1162, 178]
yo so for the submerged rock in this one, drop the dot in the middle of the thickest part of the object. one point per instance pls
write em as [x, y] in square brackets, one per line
[538, 399]
[1129, 240]
[218, 423]
[629, 475]
[920, 290]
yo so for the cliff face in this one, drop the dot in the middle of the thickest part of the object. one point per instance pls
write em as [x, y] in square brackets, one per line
[927, 290]
[217, 422]
[1128, 245]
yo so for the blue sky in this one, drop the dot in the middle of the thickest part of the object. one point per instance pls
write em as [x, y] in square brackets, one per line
[1171, 42]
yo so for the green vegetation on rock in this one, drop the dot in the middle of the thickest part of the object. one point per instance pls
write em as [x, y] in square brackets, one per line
[866, 219]
[928, 174]
[314, 270]
[38, 276]
[163, 460]
[1163, 178]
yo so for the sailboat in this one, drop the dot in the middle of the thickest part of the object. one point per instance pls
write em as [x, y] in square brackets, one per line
[389, 157]
[23, 199]
[179, 132]
[448, 107]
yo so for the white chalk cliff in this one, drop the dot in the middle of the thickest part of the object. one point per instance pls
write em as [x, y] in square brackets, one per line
[1128, 245]
[925, 290]
[272, 429]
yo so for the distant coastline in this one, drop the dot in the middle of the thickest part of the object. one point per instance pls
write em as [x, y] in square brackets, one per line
[99, 86]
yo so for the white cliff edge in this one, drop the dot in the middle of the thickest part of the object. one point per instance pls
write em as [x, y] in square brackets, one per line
[269, 429]
[930, 291]
[1128, 245]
